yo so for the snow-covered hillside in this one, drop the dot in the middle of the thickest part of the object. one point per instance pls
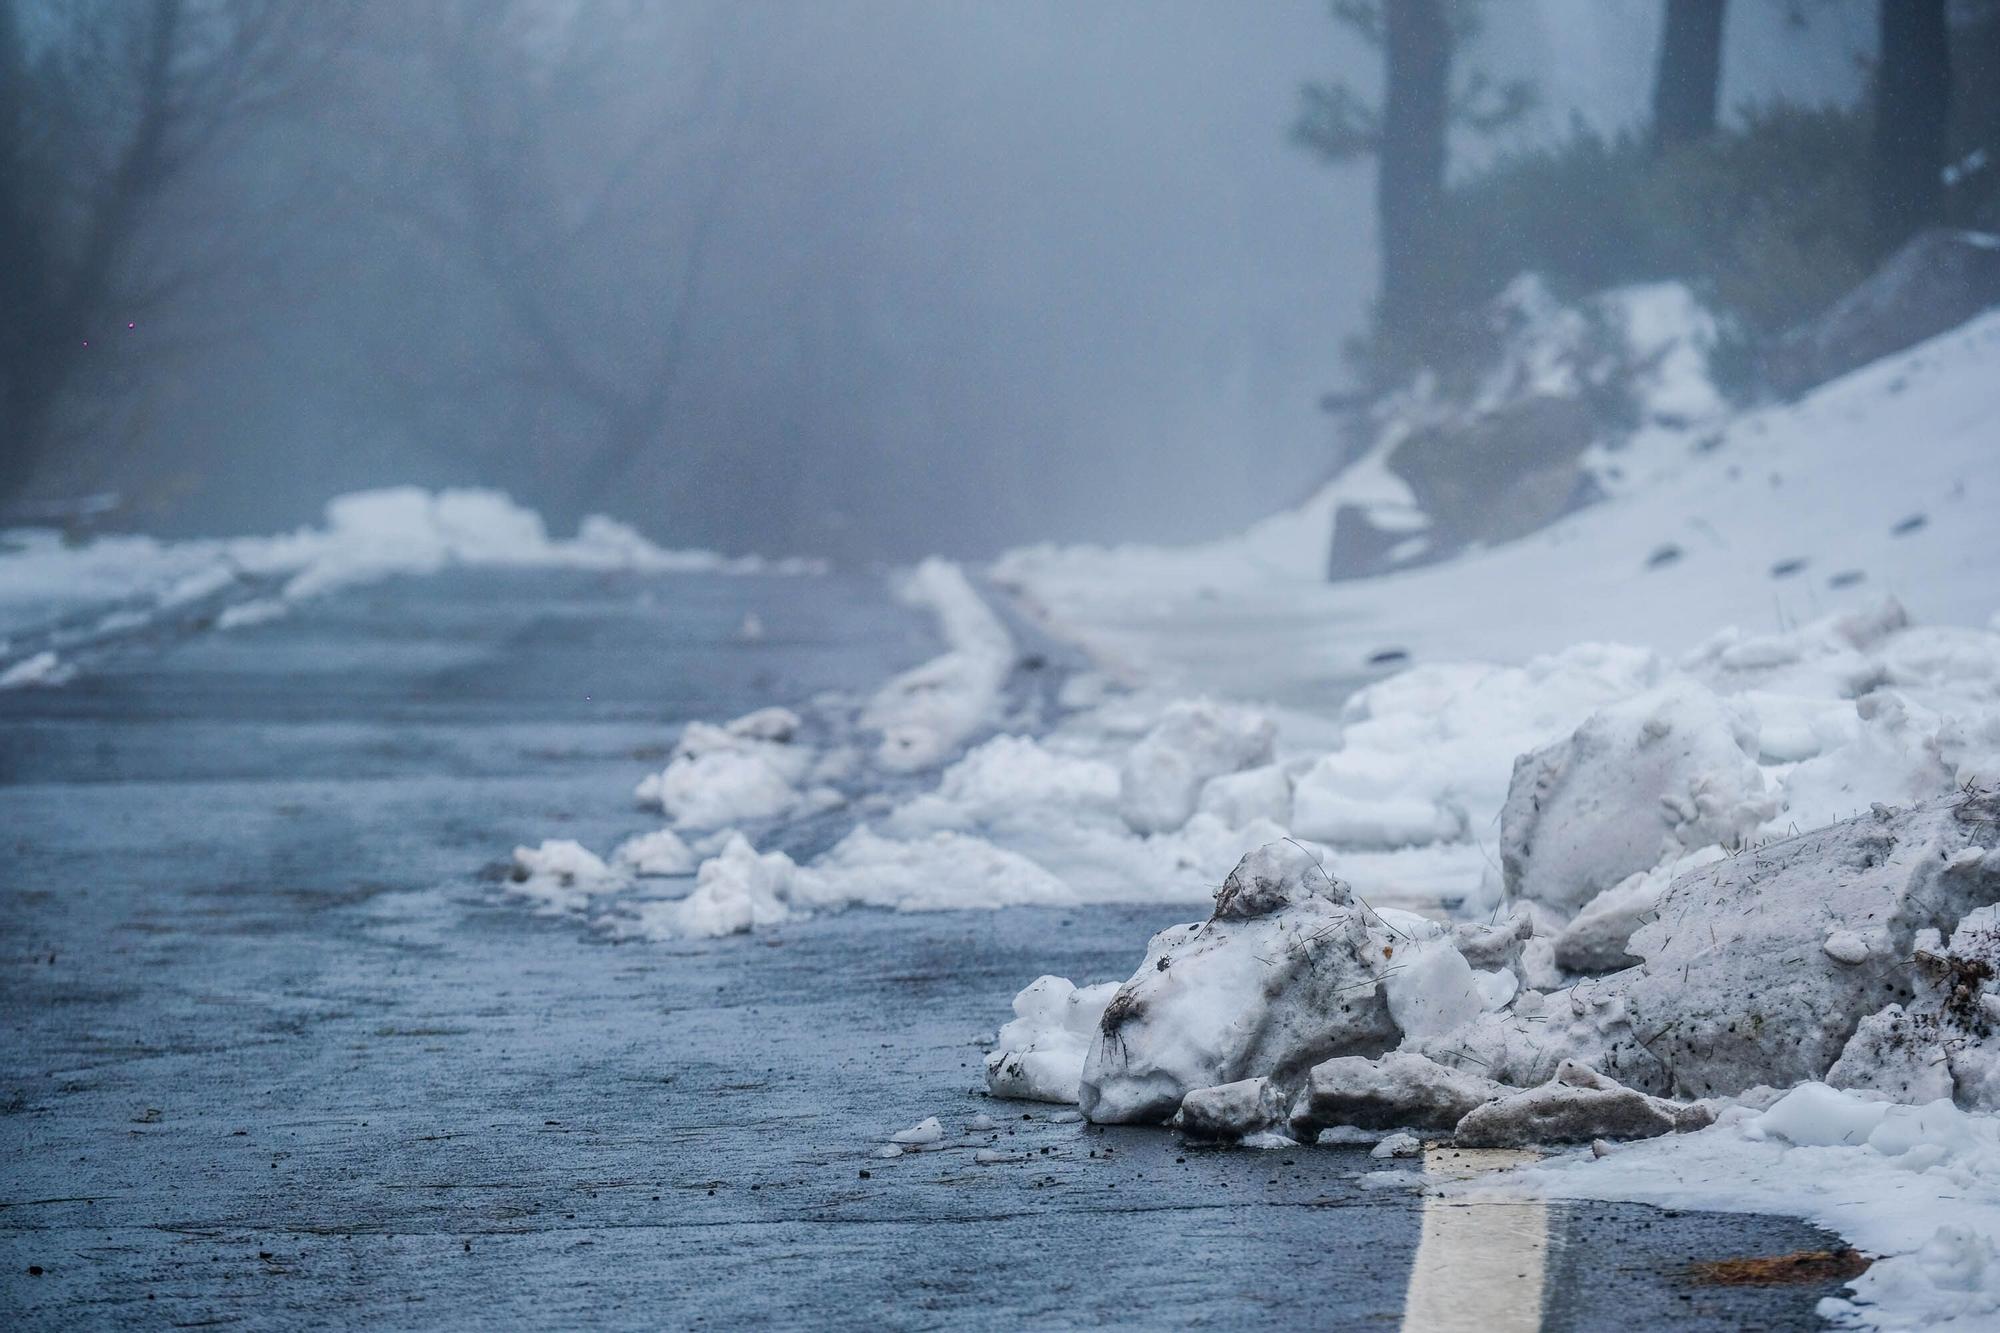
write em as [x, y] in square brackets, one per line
[1884, 483]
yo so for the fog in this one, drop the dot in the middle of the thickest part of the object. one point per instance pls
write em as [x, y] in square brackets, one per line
[856, 279]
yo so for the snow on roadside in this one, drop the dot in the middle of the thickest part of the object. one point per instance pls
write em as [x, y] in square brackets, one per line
[48, 585]
[1916, 1186]
[1590, 785]
[929, 711]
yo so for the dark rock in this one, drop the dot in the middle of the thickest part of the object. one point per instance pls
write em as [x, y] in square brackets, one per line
[1934, 283]
[1359, 547]
[1502, 475]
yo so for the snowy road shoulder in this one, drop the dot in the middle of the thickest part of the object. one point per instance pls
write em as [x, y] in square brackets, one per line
[1916, 1187]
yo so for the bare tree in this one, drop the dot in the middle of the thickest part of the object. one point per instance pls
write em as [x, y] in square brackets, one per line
[1688, 74]
[109, 108]
[560, 184]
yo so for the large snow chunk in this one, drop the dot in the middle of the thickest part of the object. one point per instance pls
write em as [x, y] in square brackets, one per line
[1232, 1110]
[1431, 988]
[1640, 782]
[1398, 1091]
[1281, 977]
[1738, 988]
[1577, 1105]
[1194, 741]
[1039, 1056]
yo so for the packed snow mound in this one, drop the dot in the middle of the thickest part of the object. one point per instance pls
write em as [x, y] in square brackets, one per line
[1941, 1043]
[738, 773]
[1642, 781]
[1195, 741]
[1297, 1004]
[1738, 986]
[1598, 938]
[365, 536]
[1282, 976]
[1827, 951]
[1039, 1056]
[737, 890]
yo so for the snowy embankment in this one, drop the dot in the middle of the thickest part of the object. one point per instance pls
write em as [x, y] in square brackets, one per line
[1696, 861]
[56, 596]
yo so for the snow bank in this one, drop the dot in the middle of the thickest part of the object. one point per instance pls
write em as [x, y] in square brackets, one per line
[928, 712]
[1424, 755]
[46, 583]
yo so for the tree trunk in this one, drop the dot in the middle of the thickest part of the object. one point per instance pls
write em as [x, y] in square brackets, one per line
[1689, 72]
[1410, 168]
[1912, 115]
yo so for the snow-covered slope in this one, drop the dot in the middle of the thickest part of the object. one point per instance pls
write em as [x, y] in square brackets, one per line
[1886, 482]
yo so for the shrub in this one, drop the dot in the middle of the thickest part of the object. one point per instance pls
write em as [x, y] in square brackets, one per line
[1768, 219]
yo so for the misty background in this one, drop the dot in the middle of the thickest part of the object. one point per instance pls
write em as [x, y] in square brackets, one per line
[865, 279]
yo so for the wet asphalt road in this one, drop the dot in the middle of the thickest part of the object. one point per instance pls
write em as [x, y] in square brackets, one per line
[278, 1052]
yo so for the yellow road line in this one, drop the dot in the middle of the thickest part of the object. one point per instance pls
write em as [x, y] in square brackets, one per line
[1479, 1264]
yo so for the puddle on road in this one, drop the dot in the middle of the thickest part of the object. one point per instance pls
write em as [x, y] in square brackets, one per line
[1479, 1263]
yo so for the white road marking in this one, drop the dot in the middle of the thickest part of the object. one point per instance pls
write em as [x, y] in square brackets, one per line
[1479, 1264]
